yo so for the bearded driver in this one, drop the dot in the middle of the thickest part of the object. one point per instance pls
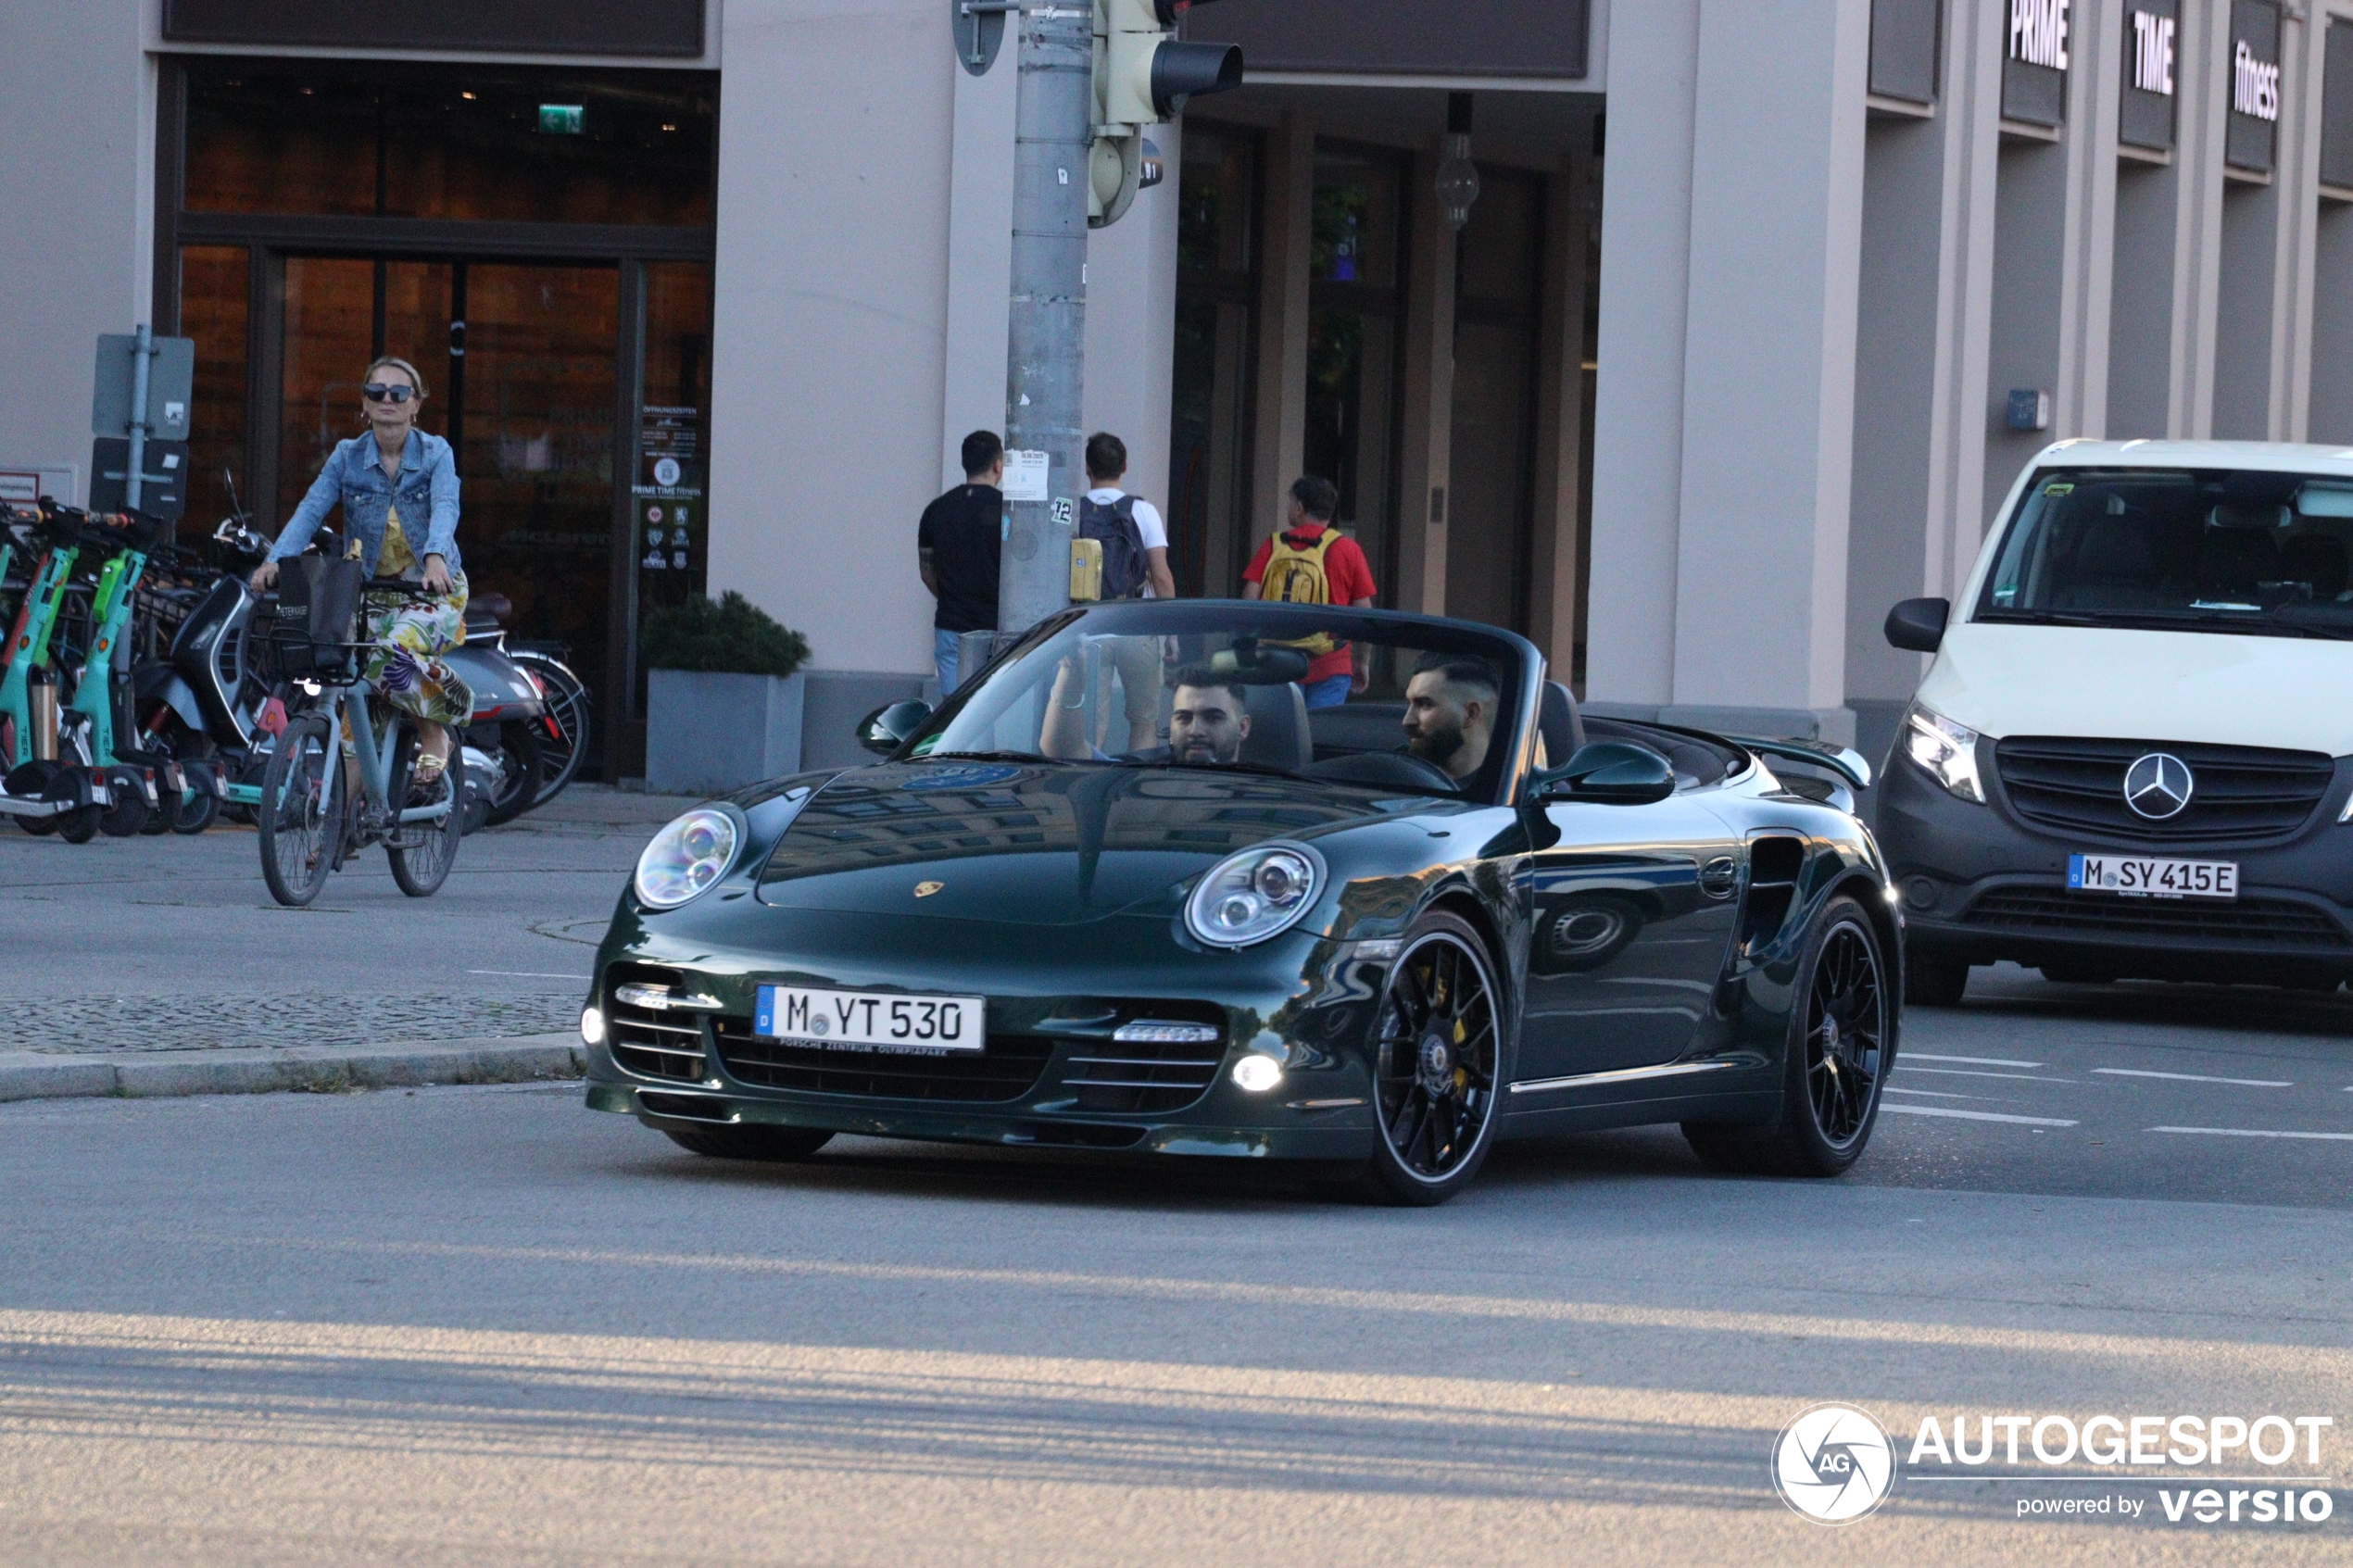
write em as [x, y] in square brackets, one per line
[1449, 712]
[1208, 720]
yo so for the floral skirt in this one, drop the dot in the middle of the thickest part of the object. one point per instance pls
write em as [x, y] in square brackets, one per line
[406, 665]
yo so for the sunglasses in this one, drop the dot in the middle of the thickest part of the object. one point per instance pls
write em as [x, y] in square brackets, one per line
[376, 392]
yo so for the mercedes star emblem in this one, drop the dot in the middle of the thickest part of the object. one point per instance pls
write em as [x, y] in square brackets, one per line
[2157, 786]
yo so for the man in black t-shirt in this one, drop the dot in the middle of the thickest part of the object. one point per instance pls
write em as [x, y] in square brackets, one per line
[958, 543]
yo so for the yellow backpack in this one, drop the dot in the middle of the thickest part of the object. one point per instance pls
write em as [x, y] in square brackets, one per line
[1295, 574]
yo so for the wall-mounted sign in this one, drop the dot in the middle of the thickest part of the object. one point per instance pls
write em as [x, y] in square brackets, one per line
[2038, 33]
[563, 119]
[2252, 136]
[1526, 38]
[2145, 117]
[672, 529]
[576, 27]
[2034, 66]
[2336, 107]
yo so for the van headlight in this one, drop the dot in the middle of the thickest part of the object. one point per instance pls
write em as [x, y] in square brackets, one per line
[1260, 893]
[1945, 751]
[687, 858]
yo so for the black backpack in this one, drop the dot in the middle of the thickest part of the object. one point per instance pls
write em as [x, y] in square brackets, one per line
[1124, 567]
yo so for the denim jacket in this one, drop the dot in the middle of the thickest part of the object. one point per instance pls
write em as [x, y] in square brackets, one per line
[426, 492]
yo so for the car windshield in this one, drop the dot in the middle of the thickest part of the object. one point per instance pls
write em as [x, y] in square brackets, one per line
[2242, 551]
[1389, 701]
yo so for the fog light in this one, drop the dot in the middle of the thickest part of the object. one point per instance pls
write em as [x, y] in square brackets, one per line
[1257, 1073]
[1920, 892]
[592, 1026]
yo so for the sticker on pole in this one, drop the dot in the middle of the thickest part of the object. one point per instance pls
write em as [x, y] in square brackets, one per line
[1025, 476]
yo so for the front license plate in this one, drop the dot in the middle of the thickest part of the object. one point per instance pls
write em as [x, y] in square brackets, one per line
[859, 1020]
[2152, 879]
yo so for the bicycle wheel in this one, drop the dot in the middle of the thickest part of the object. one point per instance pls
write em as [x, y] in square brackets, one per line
[563, 733]
[302, 810]
[422, 853]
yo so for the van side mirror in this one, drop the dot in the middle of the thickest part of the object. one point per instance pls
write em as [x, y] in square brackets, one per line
[1609, 773]
[1918, 625]
[885, 729]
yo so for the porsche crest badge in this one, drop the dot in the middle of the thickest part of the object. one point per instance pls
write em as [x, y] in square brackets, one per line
[925, 890]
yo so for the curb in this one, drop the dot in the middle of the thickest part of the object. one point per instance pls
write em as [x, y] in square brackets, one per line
[301, 1069]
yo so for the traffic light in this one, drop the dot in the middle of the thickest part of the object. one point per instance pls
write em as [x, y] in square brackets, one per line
[1142, 77]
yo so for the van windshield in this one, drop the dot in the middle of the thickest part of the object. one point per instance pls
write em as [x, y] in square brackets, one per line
[2242, 551]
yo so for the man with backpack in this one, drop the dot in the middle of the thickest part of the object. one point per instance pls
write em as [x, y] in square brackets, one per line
[1311, 562]
[1135, 545]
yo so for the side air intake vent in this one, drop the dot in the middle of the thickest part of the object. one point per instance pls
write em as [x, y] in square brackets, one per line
[1774, 863]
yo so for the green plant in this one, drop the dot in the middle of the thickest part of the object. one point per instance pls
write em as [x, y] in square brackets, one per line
[732, 636]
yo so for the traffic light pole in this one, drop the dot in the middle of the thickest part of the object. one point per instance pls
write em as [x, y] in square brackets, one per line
[1045, 380]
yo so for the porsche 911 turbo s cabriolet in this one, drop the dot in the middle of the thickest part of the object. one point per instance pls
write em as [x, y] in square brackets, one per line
[1372, 924]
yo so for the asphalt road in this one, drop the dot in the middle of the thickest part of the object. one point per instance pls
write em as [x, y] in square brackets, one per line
[477, 1326]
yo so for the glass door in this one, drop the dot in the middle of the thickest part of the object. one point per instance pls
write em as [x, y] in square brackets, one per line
[520, 362]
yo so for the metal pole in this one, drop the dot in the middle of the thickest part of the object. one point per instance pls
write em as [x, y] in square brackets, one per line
[1045, 373]
[142, 349]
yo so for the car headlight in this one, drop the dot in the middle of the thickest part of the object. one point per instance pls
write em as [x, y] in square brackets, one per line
[686, 857]
[1946, 751]
[1257, 893]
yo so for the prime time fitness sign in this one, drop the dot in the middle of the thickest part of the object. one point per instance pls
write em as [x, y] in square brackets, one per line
[2252, 135]
[2035, 67]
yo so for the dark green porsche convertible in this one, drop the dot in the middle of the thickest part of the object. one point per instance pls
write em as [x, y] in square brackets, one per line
[1353, 888]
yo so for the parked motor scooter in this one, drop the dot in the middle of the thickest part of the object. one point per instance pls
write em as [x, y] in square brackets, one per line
[502, 748]
[205, 703]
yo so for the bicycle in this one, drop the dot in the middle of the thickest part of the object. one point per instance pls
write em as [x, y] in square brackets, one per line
[310, 820]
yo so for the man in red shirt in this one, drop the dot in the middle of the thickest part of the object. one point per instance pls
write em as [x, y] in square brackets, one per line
[1311, 562]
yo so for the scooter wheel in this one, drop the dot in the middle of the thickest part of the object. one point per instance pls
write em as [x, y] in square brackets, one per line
[127, 813]
[80, 826]
[196, 812]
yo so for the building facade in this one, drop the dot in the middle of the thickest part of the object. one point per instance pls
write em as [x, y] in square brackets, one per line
[1758, 311]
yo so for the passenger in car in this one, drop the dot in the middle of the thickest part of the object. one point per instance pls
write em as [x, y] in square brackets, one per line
[1449, 712]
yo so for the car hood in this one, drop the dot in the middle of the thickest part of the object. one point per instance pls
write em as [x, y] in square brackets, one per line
[2125, 683]
[1039, 844]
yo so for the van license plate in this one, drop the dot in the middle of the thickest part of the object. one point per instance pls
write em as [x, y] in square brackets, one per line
[2152, 879]
[858, 1020]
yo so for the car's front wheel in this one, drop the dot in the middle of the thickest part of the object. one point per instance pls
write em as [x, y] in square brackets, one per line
[752, 1140]
[1842, 1041]
[1438, 1046]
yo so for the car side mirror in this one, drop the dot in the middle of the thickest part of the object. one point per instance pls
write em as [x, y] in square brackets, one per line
[885, 729]
[1609, 773]
[1918, 625]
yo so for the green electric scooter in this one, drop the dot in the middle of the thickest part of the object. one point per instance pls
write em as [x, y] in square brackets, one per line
[46, 794]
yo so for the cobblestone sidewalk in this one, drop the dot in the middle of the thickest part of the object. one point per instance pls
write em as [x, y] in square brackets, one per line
[97, 1025]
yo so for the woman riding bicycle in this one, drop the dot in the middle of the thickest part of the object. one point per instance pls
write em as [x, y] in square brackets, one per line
[398, 487]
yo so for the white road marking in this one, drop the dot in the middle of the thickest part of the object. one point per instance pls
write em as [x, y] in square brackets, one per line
[529, 974]
[2254, 1133]
[1979, 1115]
[1972, 1061]
[1906, 1063]
[1930, 1094]
[2194, 1078]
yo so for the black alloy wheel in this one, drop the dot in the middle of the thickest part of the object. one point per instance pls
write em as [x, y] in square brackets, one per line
[1437, 1065]
[1842, 1042]
[750, 1140]
[1845, 1034]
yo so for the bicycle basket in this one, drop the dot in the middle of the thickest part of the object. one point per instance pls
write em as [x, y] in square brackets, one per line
[317, 604]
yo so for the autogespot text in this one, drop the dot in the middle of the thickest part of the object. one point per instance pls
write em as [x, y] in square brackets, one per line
[2179, 1443]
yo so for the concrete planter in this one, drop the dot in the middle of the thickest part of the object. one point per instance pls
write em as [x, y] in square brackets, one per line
[708, 735]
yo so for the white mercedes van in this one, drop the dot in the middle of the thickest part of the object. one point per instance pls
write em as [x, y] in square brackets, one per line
[2133, 755]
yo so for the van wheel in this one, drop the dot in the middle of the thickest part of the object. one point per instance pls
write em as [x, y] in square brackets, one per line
[1931, 981]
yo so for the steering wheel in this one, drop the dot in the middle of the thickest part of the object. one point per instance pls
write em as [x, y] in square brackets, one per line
[1396, 770]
